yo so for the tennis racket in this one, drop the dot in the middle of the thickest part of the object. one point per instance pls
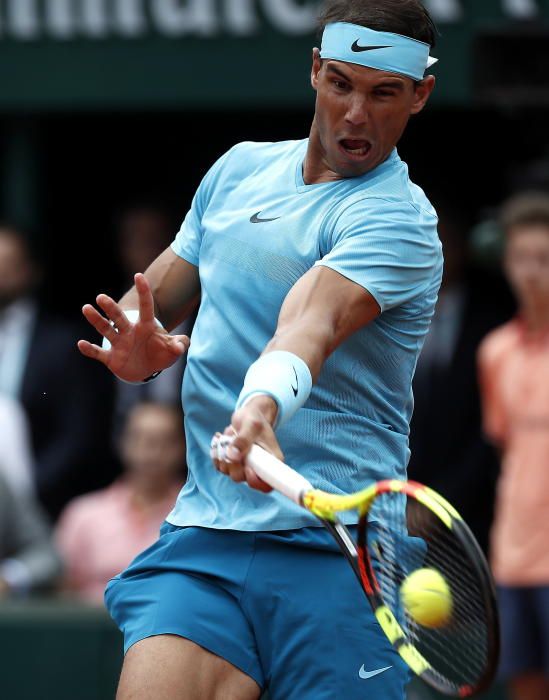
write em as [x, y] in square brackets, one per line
[403, 527]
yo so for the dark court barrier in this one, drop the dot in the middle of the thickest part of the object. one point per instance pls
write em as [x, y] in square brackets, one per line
[52, 650]
[57, 650]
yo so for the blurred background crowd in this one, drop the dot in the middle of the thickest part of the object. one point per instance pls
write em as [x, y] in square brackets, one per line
[110, 114]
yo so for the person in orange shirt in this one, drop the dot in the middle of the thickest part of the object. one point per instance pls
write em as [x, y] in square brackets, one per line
[100, 533]
[514, 377]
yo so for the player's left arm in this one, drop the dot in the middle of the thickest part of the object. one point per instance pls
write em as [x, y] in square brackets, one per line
[321, 311]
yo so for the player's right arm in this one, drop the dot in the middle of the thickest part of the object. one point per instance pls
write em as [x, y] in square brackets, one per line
[168, 291]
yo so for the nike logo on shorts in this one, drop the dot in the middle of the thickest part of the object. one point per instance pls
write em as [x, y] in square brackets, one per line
[370, 674]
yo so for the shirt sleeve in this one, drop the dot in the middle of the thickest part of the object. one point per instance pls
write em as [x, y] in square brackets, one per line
[189, 238]
[391, 249]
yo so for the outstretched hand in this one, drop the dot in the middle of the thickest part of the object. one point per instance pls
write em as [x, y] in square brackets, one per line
[138, 349]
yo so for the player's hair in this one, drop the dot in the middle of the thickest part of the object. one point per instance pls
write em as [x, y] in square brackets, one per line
[525, 209]
[406, 17]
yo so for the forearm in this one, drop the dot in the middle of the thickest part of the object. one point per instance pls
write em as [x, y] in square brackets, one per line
[175, 287]
[312, 343]
[322, 311]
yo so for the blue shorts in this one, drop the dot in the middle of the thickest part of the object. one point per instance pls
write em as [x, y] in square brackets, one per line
[524, 614]
[284, 607]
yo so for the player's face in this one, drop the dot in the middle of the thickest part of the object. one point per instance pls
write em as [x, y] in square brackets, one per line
[527, 265]
[360, 116]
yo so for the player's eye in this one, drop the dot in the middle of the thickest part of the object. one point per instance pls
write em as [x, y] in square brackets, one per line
[384, 93]
[341, 85]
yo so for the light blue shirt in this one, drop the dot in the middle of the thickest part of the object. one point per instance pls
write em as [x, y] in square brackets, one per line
[378, 230]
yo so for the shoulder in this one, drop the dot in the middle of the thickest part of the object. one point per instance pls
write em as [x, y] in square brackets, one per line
[498, 343]
[247, 156]
[85, 510]
[393, 220]
[388, 193]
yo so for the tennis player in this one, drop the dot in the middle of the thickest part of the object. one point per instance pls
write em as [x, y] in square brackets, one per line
[317, 263]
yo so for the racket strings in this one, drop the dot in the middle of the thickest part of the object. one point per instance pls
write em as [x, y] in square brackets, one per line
[412, 537]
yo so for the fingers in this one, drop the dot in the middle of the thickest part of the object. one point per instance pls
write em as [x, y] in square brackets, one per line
[113, 312]
[255, 482]
[179, 344]
[251, 428]
[100, 323]
[146, 301]
[220, 452]
[229, 461]
[93, 351]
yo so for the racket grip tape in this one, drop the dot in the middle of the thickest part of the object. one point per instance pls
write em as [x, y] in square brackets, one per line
[280, 476]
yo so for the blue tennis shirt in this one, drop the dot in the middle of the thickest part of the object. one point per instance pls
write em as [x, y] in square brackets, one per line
[253, 230]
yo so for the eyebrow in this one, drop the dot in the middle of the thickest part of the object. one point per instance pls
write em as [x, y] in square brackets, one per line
[333, 69]
[389, 83]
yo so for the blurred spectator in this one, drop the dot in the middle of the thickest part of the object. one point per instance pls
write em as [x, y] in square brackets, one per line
[448, 451]
[28, 561]
[99, 534]
[15, 455]
[514, 371]
[66, 399]
[143, 232]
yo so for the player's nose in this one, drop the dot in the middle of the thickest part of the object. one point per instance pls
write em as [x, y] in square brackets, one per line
[357, 111]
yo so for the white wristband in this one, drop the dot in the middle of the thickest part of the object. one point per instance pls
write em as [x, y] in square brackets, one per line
[133, 316]
[284, 377]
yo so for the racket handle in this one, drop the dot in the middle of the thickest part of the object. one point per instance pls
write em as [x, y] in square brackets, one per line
[277, 474]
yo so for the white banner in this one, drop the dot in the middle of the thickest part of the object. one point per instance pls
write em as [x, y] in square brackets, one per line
[28, 20]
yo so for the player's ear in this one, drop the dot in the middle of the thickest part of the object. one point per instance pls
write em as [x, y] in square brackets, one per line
[317, 65]
[422, 92]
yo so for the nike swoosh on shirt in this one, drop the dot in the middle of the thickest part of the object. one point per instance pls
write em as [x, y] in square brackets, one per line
[256, 220]
[370, 674]
[357, 48]
[296, 388]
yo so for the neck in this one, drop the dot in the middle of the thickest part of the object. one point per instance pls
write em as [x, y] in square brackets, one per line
[536, 319]
[315, 168]
[147, 491]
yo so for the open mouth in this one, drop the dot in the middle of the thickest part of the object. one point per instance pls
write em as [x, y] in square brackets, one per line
[357, 148]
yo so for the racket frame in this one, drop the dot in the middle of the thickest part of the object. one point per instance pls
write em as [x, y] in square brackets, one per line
[326, 506]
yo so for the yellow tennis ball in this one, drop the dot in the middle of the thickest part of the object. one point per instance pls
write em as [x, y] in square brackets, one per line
[427, 598]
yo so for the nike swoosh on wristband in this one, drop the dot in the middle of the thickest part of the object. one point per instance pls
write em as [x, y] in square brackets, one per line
[296, 389]
[370, 674]
[357, 48]
[256, 220]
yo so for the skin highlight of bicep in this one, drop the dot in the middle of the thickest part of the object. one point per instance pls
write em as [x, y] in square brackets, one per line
[321, 311]
[175, 286]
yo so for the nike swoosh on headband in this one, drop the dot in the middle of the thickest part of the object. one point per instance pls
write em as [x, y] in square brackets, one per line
[358, 45]
[357, 48]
